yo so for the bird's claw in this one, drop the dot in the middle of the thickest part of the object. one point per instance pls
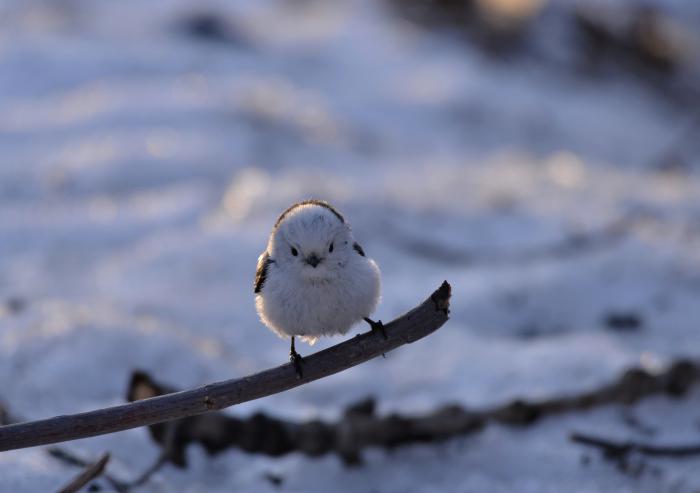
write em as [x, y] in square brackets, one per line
[296, 360]
[376, 326]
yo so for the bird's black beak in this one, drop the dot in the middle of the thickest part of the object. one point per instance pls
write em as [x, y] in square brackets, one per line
[313, 260]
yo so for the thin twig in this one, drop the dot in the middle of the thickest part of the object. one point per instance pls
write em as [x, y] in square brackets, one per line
[119, 485]
[88, 474]
[412, 326]
[620, 449]
[71, 459]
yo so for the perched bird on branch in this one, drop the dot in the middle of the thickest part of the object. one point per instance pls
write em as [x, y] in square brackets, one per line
[314, 278]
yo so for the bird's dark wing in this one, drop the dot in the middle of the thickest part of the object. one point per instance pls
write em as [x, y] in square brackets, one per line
[264, 262]
[356, 246]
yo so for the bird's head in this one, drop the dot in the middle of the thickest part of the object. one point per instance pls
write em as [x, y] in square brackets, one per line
[311, 239]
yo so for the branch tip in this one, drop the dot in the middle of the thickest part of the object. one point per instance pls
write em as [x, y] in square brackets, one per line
[441, 298]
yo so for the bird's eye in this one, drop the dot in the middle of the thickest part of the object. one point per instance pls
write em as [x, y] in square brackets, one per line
[294, 252]
[330, 248]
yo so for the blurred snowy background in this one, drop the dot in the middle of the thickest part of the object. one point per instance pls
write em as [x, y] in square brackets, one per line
[541, 156]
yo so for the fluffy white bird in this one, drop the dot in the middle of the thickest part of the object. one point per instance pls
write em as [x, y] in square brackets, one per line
[314, 278]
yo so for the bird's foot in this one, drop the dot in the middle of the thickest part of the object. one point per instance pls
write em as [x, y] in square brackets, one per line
[376, 326]
[296, 360]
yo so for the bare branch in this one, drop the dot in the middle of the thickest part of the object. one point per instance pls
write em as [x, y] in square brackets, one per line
[88, 474]
[412, 326]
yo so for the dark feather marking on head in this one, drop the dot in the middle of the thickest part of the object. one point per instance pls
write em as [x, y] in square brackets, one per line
[320, 203]
[356, 246]
[261, 273]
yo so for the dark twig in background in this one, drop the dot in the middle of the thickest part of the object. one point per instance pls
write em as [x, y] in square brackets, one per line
[629, 456]
[616, 449]
[412, 326]
[634, 385]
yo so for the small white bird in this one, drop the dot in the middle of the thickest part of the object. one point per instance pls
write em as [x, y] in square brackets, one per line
[314, 278]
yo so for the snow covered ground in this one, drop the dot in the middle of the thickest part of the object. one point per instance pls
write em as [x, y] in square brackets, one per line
[141, 170]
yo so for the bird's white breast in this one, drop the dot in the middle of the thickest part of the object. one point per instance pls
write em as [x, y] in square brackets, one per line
[294, 306]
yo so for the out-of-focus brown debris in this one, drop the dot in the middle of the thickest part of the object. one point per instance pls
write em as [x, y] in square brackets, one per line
[361, 428]
[507, 15]
[213, 26]
[643, 37]
[602, 38]
[496, 25]
[259, 433]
